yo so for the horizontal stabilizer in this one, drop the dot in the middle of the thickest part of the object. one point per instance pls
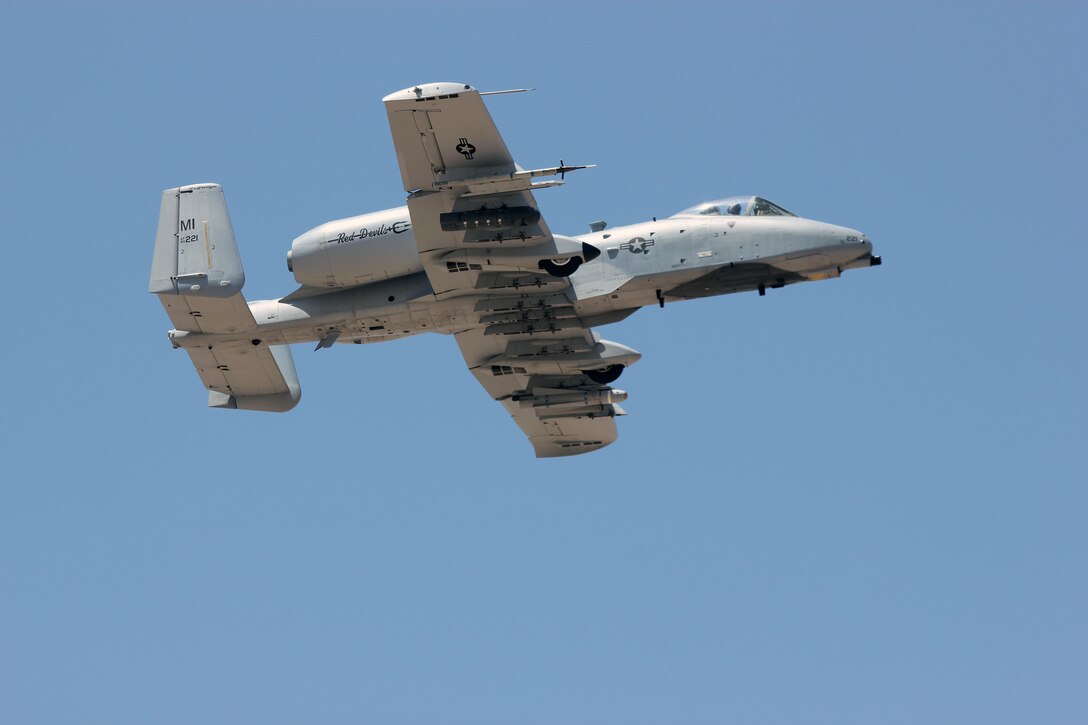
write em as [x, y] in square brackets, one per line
[248, 377]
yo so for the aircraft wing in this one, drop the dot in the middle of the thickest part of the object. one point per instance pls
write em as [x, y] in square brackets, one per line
[486, 248]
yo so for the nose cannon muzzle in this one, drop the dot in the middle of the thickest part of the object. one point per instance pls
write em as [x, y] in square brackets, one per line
[874, 260]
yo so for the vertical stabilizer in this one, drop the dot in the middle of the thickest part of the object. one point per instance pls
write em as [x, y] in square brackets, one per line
[196, 271]
[195, 251]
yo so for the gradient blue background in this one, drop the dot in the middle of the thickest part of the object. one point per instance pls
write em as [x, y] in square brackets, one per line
[855, 501]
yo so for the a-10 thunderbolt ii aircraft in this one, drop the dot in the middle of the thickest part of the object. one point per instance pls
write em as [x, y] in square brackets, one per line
[471, 256]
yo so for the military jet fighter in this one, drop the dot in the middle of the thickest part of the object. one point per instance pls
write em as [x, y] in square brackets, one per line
[471, 256]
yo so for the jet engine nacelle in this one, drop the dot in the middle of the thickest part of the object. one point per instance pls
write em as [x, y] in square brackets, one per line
[355, 251]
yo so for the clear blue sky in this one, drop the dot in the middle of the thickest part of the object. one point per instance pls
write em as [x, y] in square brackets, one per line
[854, 501]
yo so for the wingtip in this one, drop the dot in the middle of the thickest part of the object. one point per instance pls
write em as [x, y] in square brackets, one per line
[429, 90]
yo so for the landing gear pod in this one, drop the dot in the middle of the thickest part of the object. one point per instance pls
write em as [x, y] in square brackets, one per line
[605, 376]
[568, 266]
[561, 267]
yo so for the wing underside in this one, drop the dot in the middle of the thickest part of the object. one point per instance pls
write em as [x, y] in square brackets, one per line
[561, 410]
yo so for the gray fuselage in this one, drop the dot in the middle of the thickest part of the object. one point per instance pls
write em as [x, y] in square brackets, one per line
[682, 257]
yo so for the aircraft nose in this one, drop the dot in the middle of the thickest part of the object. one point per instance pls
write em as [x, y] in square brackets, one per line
[853, 245]
[854, 240]
[866, 247]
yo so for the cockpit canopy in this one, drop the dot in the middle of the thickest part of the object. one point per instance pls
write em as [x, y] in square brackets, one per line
[736, 206]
